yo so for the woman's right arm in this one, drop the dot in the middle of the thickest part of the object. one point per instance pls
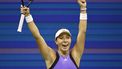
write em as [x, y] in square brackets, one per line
[45, 50]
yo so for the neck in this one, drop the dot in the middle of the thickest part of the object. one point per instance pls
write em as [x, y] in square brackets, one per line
[63, 53]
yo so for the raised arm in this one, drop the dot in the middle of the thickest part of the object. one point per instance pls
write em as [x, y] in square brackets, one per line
[45, 50]
[79, 46]
[80, 43]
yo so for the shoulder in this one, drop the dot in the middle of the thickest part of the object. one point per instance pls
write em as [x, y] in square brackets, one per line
[75, 55]
[52, 60]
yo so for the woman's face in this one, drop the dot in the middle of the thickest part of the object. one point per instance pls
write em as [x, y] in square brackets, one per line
[63, 42]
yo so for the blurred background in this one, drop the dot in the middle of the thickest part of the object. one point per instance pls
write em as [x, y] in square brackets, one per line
[103, 49]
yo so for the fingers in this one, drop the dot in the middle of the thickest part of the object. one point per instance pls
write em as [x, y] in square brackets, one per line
[21, 9]
[82, 3]
[25, 10]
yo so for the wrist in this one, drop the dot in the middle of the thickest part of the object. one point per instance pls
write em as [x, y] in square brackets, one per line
[83, 16]
[84, 12]
[83, 9]
[29, 18]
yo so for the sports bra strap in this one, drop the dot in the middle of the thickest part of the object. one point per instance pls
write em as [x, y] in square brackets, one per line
[56, 60]
[73, 60]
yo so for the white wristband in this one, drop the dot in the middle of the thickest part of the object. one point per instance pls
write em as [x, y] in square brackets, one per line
[83, 16]
[29, 18]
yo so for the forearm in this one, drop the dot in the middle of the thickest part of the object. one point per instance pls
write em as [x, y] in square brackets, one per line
[29, 19]
[34, 30]
[83, 22]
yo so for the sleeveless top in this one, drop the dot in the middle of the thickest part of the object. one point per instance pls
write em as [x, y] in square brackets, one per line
[64, 62]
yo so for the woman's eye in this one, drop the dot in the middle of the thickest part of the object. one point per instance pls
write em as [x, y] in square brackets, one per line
[67, 37]
[61, 37]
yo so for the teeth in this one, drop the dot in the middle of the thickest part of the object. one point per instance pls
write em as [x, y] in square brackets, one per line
[64, 45]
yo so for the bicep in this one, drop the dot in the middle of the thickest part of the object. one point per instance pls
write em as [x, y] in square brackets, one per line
[80, 43]
[45, 50]
[78, 48]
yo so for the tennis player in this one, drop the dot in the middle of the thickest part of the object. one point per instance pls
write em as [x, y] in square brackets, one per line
[63, 57]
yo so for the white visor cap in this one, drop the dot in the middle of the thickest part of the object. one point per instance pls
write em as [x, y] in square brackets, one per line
[60, 31]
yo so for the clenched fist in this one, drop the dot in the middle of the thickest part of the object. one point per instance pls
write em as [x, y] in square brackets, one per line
[25, 10]
[82, 3]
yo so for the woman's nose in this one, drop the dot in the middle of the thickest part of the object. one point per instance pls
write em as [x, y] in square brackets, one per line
[65, 40]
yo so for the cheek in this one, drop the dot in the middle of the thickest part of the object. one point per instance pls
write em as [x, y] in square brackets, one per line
[57, 42]
[70, 40]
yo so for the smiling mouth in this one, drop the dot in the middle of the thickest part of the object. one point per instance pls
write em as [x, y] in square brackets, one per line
[64, 45]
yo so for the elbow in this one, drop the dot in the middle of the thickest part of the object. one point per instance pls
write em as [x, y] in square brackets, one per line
[82, 31]
[36, 37]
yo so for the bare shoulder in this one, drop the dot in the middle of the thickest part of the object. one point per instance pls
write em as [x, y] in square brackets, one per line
[51, 58]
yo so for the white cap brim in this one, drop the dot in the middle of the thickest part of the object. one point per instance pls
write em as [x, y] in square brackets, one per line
[60, 31]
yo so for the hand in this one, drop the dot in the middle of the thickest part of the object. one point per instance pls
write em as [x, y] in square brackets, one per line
[25, 10]
[82, 3]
